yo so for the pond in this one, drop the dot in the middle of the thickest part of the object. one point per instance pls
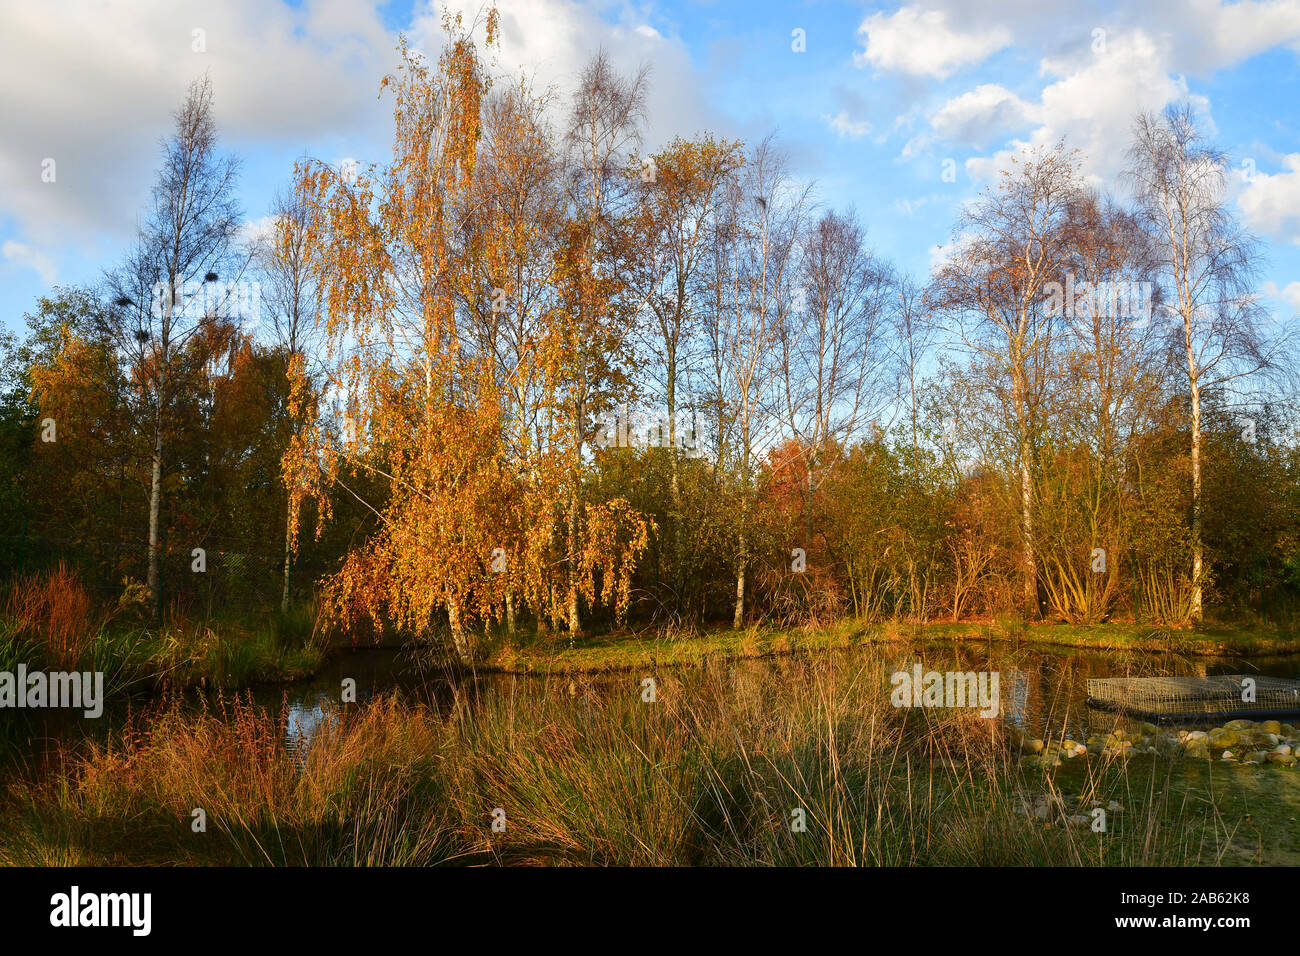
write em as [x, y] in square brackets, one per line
[1042, 691]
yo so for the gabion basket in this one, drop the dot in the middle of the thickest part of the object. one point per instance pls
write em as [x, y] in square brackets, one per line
[1169, 699]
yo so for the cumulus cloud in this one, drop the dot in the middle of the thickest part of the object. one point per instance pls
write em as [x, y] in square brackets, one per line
[257, 231]
[1270, 203]
[925, 43]
[1210, 34]
[92, 86]
[1092, 105]
[1133, 58]
[550, 41]
[975, 117]
[937, 37]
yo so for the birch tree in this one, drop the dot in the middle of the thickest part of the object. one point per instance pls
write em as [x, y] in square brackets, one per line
[185, 237]
[1208, 264]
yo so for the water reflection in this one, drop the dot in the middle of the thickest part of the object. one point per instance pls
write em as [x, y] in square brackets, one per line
[1041, 691]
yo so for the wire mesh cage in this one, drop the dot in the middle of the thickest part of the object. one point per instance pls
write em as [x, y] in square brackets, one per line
[1190, 698]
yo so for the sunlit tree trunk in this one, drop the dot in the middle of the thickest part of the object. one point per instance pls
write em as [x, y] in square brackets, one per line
[288, 560]
[155, 508]
[1197, 547]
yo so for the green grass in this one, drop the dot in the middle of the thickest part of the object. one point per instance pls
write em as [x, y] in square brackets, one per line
[628, 650]
[220, 654]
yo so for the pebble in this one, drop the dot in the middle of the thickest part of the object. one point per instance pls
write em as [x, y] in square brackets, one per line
[1240, 740]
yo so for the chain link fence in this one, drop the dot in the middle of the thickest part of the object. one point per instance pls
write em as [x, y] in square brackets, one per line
[229, 576]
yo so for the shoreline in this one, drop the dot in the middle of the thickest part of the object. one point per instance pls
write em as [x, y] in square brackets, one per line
[622, 652]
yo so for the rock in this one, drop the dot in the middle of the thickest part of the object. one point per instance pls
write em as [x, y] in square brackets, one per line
[1031, 746]
[1197, 748]
[1150, 729]
[1228, 755]
[1258, 740]
[1194, 735]
[1271, 726]
[1221, 738]
[1285, 760]
[1241, 724]
[1284, 749]
[1256, 756]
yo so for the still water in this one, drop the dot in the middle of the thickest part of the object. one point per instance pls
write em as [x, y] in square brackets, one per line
[1042, 691]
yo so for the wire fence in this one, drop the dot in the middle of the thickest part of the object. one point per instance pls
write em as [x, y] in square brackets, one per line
[1192, 698]
[223, 575]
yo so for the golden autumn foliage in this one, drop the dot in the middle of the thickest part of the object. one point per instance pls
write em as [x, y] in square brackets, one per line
[468, 437]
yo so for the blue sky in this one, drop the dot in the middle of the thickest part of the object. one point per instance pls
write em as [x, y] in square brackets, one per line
[879, 99]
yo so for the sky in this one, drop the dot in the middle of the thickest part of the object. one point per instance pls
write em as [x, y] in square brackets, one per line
[903, 112]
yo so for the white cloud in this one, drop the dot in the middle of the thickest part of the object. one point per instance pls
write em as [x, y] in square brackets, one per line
[1209, 34]
[975, 116]
[924, 43]
[24, 256]
[845, 126]
[92, 85]
[1290, 294]
[257, 230]
[1270, 204]
[937, 37]
[550, 41]
[1093, 103]
[1091, 95]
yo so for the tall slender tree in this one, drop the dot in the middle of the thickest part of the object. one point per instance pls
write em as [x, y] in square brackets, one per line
[1208, 264]
[186, 236]
[1009, 246]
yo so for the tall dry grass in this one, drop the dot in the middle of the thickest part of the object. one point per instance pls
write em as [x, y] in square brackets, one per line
[52, 610]
[715, 771]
